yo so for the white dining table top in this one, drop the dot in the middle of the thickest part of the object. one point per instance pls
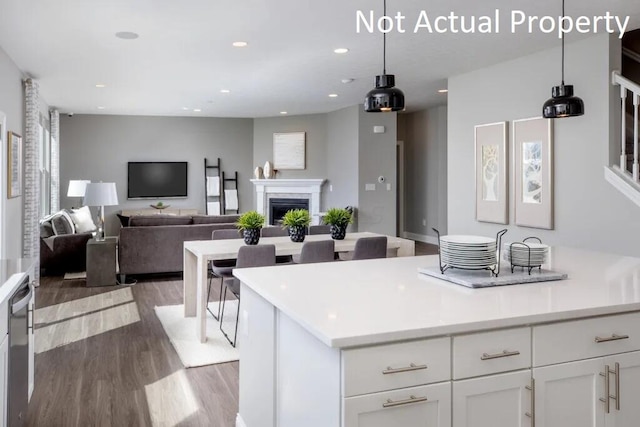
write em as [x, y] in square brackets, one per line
[228, 248]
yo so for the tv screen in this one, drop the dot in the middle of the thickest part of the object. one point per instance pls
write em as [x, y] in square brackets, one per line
[153, 180]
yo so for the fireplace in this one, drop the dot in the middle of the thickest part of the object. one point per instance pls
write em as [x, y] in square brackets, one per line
[278, 207]
[287, 188]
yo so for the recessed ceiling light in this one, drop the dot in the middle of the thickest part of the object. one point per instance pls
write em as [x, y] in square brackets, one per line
[196, 110]
[185, 108]
[100, 107]
[283, 112]
[240, 44]
[333, 95]
[346, 80]
[101, 85]
[341, 50]
[127, 35]
[225, 91]
[443, 91]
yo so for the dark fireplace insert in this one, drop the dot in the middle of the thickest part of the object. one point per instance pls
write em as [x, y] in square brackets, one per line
[279, 207]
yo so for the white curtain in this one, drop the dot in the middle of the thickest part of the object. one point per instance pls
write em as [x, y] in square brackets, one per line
[55, 160]
[31, 183]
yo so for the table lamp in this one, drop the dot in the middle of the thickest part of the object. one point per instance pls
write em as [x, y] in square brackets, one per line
[101, 194]
[77, 188]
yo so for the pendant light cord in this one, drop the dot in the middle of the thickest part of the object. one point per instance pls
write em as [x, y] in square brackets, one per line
[562, 33]
[384, 40]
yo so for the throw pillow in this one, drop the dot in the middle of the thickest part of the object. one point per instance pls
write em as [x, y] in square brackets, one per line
[62, 224]
[82, 220]
[124, 220]
[46, 229]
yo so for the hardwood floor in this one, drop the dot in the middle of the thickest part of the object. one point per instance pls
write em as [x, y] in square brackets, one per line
[115, 365]
[128, 375]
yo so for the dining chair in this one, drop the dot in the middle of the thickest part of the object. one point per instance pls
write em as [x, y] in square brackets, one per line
[319, 229]
[221, 268]
[370, 248]
[320, 251]
[248, 256]
[276, 231]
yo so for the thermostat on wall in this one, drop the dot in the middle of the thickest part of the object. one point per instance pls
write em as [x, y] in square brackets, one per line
[378, 129]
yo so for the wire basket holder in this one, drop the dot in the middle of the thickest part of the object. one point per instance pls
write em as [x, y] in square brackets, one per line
[495, 271]
[529, 267]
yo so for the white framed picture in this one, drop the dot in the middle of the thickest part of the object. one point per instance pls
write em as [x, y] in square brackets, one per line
[289, 150]
[492, 200]
[533, 172]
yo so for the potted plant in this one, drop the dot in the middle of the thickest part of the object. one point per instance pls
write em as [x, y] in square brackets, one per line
[297, 220]
[250, 223]
[338, 219]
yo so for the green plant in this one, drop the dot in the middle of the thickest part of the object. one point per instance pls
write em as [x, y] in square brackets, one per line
[296, 218]
[159, 204]
[337, 216]
[250, 220]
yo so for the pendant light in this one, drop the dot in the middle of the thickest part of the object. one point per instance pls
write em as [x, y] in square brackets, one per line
[562, 102]
[385, 97]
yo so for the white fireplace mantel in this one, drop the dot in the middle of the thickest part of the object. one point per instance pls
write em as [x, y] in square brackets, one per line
[268, 188]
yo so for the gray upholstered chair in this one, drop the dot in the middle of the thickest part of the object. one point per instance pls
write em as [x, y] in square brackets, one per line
[276, 231]
[319, 229]
[248, 256]
[221, 268]
[320, 251]
[370, 248]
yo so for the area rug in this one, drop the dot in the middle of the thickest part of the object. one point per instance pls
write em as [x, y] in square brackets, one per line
[76, 275]
[182, 334]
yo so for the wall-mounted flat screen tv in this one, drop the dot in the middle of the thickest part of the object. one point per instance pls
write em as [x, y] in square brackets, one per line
[155, 180]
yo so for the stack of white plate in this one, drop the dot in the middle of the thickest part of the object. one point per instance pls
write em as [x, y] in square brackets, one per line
[468, 252]
[533, 255]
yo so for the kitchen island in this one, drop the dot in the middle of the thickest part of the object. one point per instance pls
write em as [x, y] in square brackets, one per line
[375, 343]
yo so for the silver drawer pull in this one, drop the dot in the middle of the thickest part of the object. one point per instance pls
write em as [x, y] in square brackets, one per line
[505, 353]
[614, 337]
[411, 367]
[412, 399]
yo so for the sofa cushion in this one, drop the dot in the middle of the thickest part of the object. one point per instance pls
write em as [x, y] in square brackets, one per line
[82, 220]
[62, 223]
[155, 220]
[215, 219]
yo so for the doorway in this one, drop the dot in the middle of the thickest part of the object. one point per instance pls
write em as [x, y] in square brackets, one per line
[400, 192]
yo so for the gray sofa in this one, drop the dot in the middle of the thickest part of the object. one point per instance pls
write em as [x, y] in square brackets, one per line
[154, 243]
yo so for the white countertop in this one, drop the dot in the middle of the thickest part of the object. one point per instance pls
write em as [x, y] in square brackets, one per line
[346, 304]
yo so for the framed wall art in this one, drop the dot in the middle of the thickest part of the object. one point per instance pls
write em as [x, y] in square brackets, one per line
[492, 204]
[289, 150]
[533, 171]
[14, 165]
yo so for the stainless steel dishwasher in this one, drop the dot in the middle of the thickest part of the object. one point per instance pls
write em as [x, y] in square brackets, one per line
[18, 388]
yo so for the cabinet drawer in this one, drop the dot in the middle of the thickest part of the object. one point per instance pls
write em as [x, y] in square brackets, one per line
[428, 405]
[491, 352]
[583, 339]
[392, 366]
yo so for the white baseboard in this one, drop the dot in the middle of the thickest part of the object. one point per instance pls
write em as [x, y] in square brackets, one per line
[240, 421]
[420, 237]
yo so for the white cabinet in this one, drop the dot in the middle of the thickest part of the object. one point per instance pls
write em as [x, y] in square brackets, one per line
[624, 384]
[409, 407]
[32, 343]
[4, 377]
[569, 394]
[503, 400]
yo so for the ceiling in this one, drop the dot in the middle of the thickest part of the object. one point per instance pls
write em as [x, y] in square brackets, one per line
[184, 56]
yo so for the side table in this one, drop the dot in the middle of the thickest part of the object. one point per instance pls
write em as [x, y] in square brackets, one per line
[101, 262]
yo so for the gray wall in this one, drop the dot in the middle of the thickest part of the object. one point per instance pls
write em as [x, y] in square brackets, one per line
[342, 158]
[425, 139]
[589, 212]
[11, 103]
[377, 157]
[98, 147]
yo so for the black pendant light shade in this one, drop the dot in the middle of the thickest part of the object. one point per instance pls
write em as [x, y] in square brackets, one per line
[562, 102]
[385, 97]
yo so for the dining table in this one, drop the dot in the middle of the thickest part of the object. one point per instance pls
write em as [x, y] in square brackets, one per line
[197, 255]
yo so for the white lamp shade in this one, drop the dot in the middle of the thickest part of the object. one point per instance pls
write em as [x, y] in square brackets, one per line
[77, 187]
[101, 194]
